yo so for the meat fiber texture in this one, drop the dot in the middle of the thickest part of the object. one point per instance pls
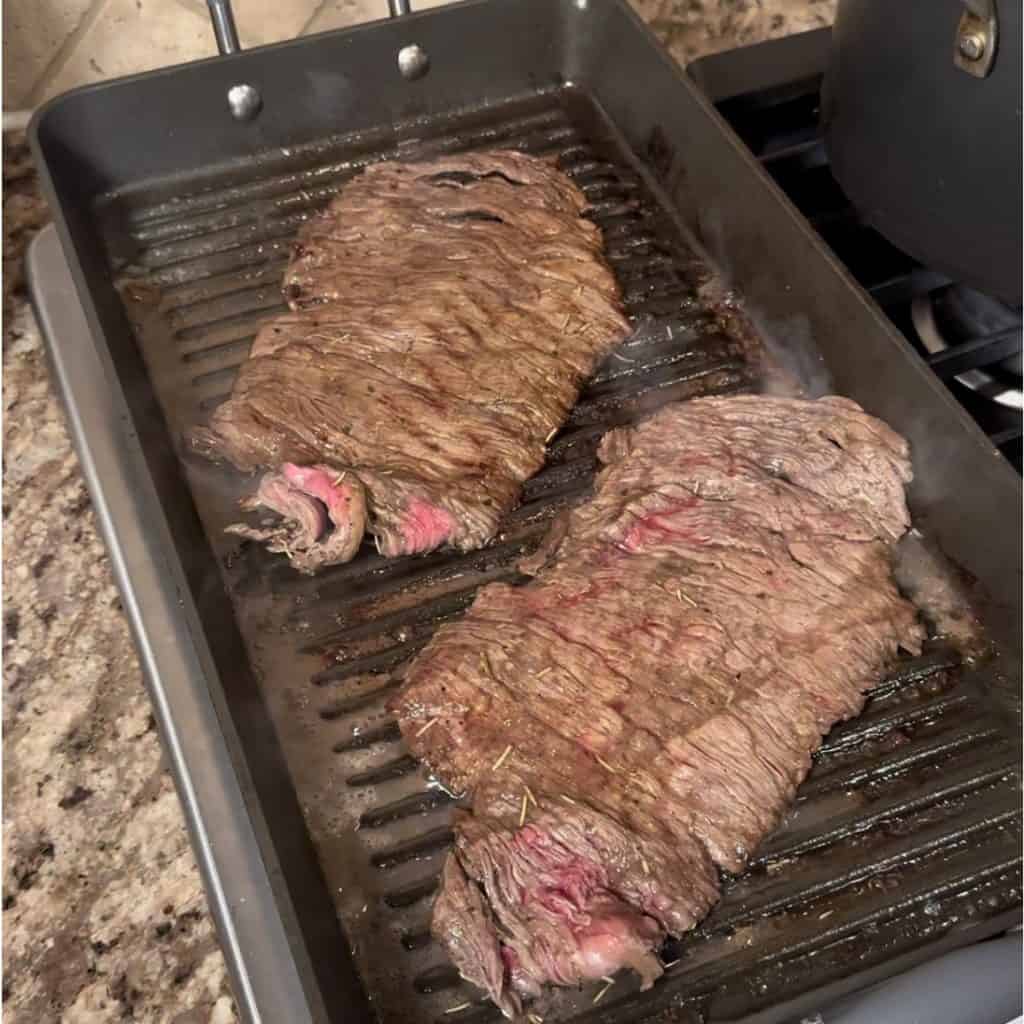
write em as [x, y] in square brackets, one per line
[639, 715]
[444, 317]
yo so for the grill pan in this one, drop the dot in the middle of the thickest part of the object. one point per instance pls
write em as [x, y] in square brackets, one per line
[318, 836]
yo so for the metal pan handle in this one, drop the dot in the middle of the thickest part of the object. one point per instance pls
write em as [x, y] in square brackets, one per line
[223, 19]
[244, 100]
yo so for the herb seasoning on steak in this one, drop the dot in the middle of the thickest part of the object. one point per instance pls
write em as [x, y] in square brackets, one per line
[444, 316]
[640, 714]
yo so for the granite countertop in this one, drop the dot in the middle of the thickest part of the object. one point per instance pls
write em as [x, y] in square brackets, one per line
[103, 911]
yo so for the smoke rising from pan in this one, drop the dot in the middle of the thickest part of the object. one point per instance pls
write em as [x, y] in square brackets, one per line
[794, 366]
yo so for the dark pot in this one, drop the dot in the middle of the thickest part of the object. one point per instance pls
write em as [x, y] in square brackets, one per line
[921, 108]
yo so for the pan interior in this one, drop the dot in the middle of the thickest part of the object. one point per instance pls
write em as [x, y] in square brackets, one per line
[908, 827]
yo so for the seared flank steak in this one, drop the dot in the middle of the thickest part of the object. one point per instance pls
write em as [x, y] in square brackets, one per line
[444, 316]
[639, 714]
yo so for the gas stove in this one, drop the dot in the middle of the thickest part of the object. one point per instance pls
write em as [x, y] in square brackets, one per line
[769, 95]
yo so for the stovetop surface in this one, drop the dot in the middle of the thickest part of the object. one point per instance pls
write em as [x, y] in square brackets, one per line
[769, 94]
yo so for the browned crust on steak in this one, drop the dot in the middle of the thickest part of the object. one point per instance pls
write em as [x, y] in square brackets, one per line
[723, 600]
[445, 316]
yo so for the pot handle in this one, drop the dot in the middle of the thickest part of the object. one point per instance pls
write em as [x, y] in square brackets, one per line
[245, 101]
[223, 19]
[977, 36]
[224, 29]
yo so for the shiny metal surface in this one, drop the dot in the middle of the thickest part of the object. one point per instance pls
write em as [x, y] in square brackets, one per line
[413, 62]
[977, 38]
[244, 102]
[224, 29]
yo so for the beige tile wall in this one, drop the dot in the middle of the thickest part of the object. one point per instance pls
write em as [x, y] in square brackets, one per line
[50, 46]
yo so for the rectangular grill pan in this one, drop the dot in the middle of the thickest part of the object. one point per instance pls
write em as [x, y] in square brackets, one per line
[318, 836]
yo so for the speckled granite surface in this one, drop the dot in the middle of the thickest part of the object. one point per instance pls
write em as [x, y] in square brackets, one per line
[103, 911]
[695, 28]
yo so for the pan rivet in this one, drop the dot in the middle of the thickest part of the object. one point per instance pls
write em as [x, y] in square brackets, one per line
[972, 46]
[244, 102]
[413, 62]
